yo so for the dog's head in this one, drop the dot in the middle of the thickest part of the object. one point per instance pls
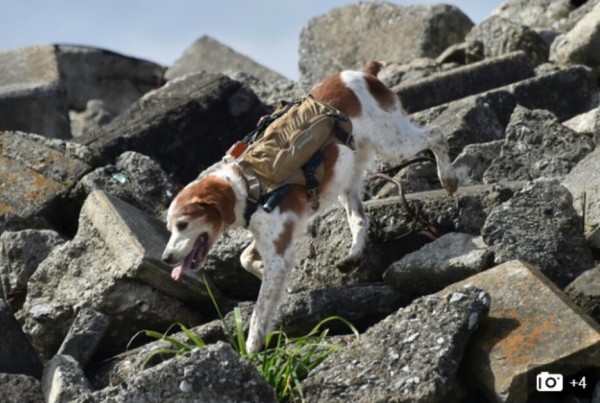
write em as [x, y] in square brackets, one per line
[196, 218]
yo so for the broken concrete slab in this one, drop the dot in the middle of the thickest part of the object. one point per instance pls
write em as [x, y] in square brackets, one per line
[580, 44]
[565, 93]
[213, 373]
[470, 165]
[36, 174]
[20, 388]
[587, 122]
[496, 36]
[448, 259]
[135, 179]
[210, 55]
[185, 126]
[117, 80]
[585, 292]
[63, 380]
[20, 254]
[84, 335]
[584, 184]
[530, 327]
[385, 31]
[17, 356]
[32, 98]
[461, 82]
[412, 355]
[113, 266]
[537, 145]
[539, 225]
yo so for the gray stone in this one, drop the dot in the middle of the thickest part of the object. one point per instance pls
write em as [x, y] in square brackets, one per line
[576, 15]
[211, 374]
[84, 335]
[448, 259]
[17, 356]
[135, 179]
[565, 93]
[89, 73]
[17, 388]
[271, 92]
[208, 54]
[223, 266]
[584, 184]
[536, 13]
[32, 98]
[497, 36]
[20, 254]
[36, 174]
[580, 45]
[411, 356]
[63, 380]
[464, 81]
[89, 121]
[395, 73]
[588, 122]
[530, 322]
[185, 126]
[536, 146]
[585, 292]
[539, 225]
[474, 160]
[385, 31]
[113, 266]
[468, 121]
[391, 234]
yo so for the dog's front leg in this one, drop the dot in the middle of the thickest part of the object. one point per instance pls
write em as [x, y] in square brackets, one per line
[359, 224]
[272, 289]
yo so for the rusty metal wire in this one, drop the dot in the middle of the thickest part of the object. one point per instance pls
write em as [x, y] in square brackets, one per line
[430, 230]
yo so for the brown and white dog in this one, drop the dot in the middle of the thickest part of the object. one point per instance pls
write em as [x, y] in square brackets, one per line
[215, 201]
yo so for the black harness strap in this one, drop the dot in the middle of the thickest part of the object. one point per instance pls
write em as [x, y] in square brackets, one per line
[268, 202]
[310, 177]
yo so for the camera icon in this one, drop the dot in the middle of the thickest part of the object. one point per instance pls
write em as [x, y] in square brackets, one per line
[547, 382]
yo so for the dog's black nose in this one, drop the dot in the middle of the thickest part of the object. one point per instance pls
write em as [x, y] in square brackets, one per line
[167, 258]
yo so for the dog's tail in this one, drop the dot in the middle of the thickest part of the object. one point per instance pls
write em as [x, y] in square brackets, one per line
[373, 67]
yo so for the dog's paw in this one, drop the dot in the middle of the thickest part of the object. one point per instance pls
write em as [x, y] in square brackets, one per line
[348, 264]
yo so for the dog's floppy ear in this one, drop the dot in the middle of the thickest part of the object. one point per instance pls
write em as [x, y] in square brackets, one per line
[221, 197]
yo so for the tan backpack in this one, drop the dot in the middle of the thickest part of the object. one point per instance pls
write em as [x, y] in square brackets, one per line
[294, 133]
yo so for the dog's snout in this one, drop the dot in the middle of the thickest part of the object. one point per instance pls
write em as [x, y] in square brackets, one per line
[167, 257]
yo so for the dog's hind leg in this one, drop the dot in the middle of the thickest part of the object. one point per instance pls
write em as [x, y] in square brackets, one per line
[251, 261]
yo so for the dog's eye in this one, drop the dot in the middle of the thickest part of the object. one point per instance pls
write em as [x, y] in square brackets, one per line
[182, 225]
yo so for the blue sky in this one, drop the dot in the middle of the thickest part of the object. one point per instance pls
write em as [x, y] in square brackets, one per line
[265, 30]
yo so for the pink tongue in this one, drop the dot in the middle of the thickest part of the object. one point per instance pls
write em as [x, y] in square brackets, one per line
[178, 271]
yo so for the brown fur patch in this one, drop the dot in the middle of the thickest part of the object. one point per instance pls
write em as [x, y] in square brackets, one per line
[334, 92]
[373, 67]
[210, 197]
[285, 238]
[384, 96]
[295, 201]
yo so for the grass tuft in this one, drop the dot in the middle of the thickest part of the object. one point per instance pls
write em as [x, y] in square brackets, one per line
[285, 361]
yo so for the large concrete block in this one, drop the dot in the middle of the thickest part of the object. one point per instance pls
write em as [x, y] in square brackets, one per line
[464, 81]
[530, 327]
[186, 125]
[36, 172]
[31, 96]
[208, 54]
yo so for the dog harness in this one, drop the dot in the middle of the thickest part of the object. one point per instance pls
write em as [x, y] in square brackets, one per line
[286, 148]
